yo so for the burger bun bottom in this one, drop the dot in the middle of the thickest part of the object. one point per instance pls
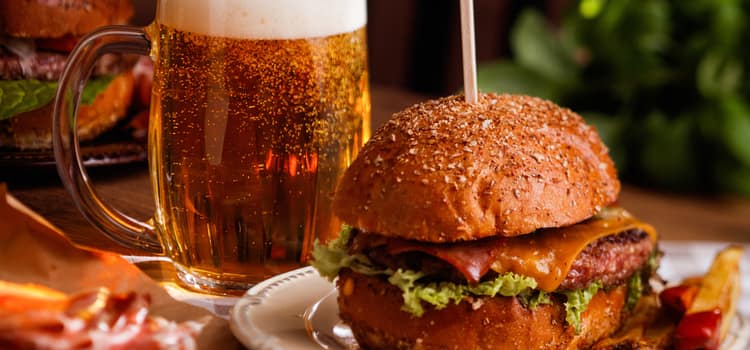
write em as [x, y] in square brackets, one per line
[372, 308]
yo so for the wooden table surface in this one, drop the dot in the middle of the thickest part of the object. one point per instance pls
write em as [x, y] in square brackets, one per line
[127, 188]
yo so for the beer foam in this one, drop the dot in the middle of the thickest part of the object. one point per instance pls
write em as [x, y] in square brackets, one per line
[264, 19]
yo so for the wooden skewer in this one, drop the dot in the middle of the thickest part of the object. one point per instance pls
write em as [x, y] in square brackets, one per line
[469, 51]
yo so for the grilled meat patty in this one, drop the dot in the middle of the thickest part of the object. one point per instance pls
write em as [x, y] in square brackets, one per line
[610, 260]
[48, 66]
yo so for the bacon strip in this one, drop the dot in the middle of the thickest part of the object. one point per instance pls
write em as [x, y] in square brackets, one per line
[472, 259]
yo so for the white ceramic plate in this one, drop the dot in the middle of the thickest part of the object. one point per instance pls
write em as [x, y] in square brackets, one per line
[297, 310]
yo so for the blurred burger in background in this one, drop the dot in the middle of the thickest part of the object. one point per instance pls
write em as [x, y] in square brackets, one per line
[35, 40]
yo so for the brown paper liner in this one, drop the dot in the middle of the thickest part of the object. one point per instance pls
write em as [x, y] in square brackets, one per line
[33, 251]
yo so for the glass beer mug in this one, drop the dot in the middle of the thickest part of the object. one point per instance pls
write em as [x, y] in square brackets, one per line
[257, 108]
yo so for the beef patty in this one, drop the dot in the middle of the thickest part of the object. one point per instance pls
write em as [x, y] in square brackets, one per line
[611, 259]
[48, 66]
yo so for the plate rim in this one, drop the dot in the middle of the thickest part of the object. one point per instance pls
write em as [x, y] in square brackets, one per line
[240, 323]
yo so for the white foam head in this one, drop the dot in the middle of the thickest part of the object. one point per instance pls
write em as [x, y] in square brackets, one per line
[264, 19]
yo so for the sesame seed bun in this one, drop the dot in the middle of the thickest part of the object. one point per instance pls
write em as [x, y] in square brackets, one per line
[445, 170]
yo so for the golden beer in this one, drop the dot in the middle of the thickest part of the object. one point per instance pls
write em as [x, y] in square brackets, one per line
[248, 137]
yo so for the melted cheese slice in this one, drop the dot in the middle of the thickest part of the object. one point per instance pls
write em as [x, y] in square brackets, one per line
[548, 255]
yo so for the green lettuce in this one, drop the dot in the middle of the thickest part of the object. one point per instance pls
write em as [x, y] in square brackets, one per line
[653, 259]
[635, 290]
[440, 294]
[578, 301]
[535, 298]
[331, 258]
[19, 96]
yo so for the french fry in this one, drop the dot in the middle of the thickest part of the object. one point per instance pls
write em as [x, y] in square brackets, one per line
[692, 281]
[707, 320]
[648, 328]
[679, 298]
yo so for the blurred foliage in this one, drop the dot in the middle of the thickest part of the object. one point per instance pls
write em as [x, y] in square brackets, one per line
[666, 83]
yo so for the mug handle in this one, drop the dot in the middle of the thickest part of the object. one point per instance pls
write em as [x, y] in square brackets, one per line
[119, 227]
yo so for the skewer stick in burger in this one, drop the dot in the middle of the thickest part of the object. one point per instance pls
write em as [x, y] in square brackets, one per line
[487, 226]
[35, 40]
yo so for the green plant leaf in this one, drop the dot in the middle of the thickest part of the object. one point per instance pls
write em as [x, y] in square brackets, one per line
[536, 48]
[728, 24]
[629, 58]
[731, 177]
[667, 153]
[19, 96]
[508, 77]
[735, 127]
[718, 74]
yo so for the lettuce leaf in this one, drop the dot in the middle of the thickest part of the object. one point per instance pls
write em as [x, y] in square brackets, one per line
[535, 298]
[635, 290]
[19, 96]
[329, 259]
[440, 294]
[578, 301]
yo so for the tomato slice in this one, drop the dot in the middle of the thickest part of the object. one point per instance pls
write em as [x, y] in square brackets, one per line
[64, 44]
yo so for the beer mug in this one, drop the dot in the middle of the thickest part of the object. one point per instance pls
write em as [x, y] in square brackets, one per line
[257, 108]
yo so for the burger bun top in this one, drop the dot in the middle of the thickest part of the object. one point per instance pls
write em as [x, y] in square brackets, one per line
[445, 171]
[60, 18]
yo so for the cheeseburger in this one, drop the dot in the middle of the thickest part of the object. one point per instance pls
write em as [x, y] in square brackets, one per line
[487, 226]
[35, 40]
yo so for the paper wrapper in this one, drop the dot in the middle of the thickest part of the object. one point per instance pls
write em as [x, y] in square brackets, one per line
[33, 251]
